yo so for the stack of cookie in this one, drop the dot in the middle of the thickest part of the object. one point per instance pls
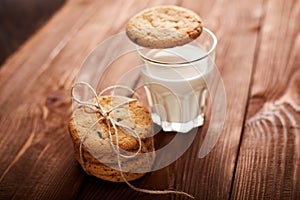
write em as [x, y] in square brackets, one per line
[95, 144]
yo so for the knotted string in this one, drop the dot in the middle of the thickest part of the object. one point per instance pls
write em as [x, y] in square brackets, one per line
[109, 121]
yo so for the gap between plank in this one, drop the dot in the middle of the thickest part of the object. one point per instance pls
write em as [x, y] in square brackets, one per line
[255, 61]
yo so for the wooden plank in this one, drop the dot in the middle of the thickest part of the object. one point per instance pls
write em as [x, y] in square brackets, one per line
[35, 105]
[268, 165]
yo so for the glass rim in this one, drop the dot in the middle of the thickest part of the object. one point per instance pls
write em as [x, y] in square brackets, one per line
[212, 48]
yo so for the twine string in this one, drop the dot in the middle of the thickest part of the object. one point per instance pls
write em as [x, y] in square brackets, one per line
[97, 108]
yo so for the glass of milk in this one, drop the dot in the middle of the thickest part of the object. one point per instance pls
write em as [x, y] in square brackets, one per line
[176, 82]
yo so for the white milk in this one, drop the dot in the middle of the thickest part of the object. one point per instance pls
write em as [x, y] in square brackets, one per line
[177, 92]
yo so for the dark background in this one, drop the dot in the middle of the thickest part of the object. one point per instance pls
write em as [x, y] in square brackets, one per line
[19, 19]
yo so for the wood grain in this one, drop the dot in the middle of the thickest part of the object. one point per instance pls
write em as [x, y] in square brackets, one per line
[257, 155]
[268, 165]
[37, 108]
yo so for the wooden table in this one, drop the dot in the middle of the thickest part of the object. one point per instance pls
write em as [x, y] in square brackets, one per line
[257, 155]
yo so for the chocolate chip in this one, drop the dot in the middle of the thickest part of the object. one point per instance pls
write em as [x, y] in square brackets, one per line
[119, 119]
[99, 134]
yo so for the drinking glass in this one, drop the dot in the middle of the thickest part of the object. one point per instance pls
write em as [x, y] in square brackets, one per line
[176, 82]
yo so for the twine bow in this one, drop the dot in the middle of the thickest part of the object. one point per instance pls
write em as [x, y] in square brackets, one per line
[113, 124]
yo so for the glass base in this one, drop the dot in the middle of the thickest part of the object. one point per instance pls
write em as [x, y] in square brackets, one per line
[177, 126]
